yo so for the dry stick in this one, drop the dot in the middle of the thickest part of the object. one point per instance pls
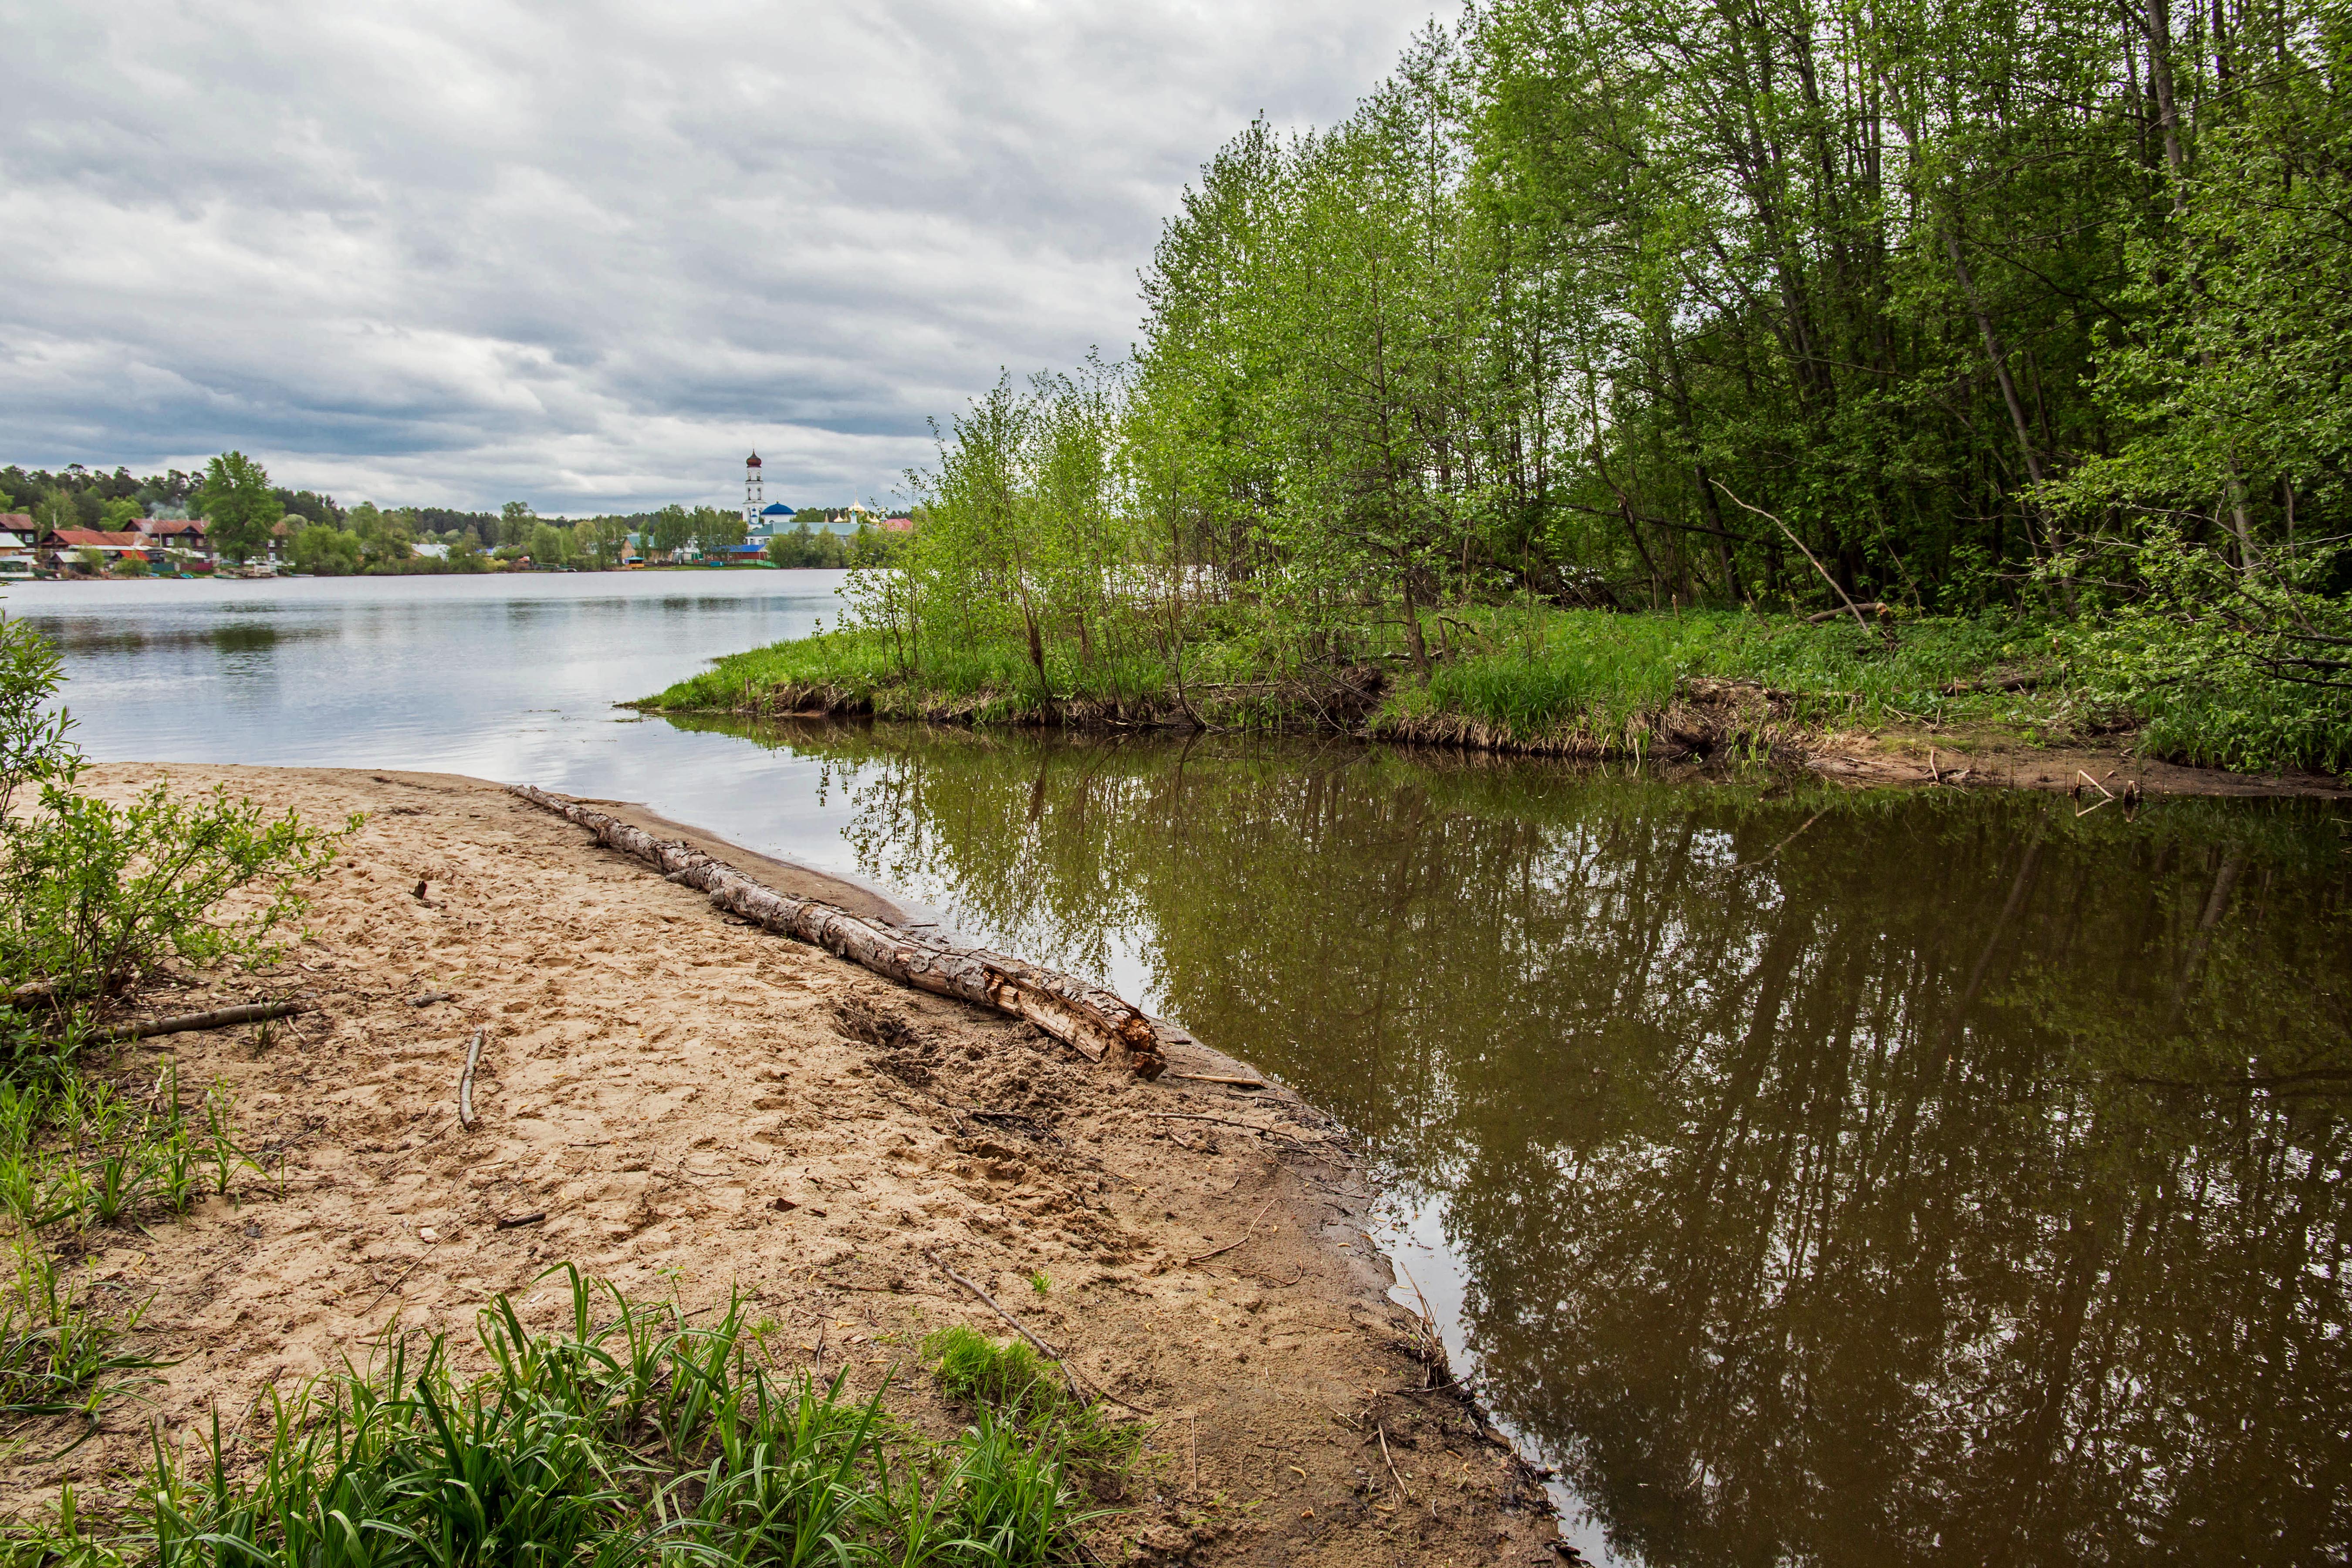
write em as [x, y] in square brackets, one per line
[1390, 1462]
[218, 1018]
[396, 1283]
[465, 1080]
[520, 1221]
[1219, 1077]
[1247, 1231]
[1048, 1351]
[1800, 543]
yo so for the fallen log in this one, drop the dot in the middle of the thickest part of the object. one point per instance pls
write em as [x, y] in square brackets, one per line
[218, 1018]
[1099, 1024]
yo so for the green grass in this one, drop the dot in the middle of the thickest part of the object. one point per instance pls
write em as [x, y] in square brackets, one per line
[1601, 674]
[1517, 676]
[1021, 1390]
[1583, 681]
[623, 1436]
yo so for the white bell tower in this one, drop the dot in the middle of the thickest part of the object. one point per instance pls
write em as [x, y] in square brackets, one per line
[752, 490]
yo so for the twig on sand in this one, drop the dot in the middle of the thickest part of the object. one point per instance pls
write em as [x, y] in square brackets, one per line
[465, 1078]
[1248, 1231]
[1219, 1077]
[218, 1018]
[1390, 1462]
[520, 1221]
[398, 1282]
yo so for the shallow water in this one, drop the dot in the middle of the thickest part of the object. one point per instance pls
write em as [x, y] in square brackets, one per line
[1813, 1177]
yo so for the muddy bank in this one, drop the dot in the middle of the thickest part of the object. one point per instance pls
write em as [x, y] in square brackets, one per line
[696, 1106]
[1708, 722]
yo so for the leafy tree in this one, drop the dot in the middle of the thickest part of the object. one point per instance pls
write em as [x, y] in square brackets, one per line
[515, 522]
[239, 507]
[717, 530]
[327, 551]
[670, 530]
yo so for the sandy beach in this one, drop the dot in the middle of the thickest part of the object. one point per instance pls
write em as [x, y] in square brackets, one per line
[698, 1107]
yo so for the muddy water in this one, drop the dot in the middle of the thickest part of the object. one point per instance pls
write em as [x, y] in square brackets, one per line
[1811, 1177]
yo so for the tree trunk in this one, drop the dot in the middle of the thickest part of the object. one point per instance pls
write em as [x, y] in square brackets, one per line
[1098, 1024]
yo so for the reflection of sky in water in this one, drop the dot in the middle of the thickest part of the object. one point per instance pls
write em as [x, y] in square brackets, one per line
[507, 678]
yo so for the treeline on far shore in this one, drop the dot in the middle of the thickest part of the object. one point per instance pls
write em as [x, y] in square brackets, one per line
[248, 518]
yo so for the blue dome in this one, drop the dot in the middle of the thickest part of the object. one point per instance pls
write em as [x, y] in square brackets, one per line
[777, 509]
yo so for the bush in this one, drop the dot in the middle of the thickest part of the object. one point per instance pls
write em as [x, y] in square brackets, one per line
[95, 896]
[2238, 669]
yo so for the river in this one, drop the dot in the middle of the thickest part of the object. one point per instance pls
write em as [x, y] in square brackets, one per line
[1812, 1176]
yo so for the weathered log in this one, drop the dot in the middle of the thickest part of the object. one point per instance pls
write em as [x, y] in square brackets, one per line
[1098, 1024]
[218, 1018]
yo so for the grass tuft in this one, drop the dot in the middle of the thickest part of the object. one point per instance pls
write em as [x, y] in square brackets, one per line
[626, 1435]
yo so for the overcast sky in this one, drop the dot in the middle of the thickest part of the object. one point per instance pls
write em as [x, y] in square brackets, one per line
[589, 254]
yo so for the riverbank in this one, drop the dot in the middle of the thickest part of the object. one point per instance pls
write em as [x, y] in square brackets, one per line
[1968, 702]
[695, 1108]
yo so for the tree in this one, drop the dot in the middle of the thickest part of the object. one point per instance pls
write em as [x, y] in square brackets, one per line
[515, 521]
[326, 550]
[239, 507]
[670, 530]
[716, 532]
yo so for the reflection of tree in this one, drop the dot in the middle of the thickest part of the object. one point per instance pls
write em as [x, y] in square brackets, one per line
[1867, 1201]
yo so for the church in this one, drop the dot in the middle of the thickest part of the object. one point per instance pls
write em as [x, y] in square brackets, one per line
[763, 519]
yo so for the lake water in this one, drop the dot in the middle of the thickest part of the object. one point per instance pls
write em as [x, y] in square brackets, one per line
[1814, 1177]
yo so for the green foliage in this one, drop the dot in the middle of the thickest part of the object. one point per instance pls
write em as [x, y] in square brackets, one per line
[326, 550]
[631, 1439]
[2242, 670]
[97, 895]
[1010, 1382]
[1619, 304]
[239, 507]
[94, 895]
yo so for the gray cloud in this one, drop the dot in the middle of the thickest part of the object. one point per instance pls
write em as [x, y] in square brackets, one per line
[587, 255]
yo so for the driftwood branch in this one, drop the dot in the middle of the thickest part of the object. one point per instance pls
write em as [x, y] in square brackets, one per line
[218, 1018]
[1098, 1024]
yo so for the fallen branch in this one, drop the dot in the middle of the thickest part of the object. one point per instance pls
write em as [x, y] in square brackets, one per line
[218, 1018]
[518, 1221]
[1834, 587]
[1098, 1024]
[1219, 1077]
[466, 1080]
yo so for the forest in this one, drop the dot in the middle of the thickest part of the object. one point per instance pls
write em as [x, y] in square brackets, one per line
[2010, 339]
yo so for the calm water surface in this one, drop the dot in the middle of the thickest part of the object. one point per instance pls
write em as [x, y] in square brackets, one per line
[1815, 1178]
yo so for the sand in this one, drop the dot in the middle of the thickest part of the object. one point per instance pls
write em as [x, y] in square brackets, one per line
[696, 1106]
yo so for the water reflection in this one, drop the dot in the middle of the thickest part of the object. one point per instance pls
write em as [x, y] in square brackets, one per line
[1884, 1179]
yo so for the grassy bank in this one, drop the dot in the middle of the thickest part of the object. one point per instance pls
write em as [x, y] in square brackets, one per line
[624, 1435]
[1573, 682]
[1581, 683]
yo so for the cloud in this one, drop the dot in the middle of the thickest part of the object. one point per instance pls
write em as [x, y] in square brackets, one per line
[589, 254]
